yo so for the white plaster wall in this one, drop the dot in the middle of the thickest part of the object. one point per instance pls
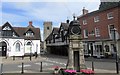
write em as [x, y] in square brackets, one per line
[12, 47]
[35, 46]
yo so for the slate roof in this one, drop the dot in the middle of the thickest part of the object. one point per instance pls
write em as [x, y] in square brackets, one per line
[55, 30]
[65, 26]
[100, 10]
[21, 30]
[49, 37]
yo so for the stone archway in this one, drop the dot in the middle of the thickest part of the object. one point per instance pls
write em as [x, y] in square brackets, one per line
[3, 48]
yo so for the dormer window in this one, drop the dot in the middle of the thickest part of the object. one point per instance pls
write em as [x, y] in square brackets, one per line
[29, 34]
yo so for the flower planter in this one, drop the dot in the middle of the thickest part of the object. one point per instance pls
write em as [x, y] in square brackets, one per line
[56, 70]
[69, 72]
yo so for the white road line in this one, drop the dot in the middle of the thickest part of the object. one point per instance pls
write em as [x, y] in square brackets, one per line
[44, 64]
[24, 65]
[56, 62]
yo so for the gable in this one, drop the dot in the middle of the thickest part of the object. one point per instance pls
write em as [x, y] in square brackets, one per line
[7, 30]
[19, 32]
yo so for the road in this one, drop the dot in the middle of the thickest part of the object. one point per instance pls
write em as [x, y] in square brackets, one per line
[51, 61]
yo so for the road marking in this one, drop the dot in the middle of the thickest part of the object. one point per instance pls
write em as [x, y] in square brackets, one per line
[44, 64]
[24, 65]
[56, 62]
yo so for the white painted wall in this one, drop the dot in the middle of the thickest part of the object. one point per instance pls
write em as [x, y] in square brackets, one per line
[11, 46]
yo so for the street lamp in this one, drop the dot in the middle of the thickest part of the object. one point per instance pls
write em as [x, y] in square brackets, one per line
[115, 49]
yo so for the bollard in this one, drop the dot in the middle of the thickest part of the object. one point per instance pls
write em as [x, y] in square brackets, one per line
[40, 66]
[22, 57]
[5, 57]
[1, 69]
[13, 57]
[30, 57]
[22, 68]
[36, 55]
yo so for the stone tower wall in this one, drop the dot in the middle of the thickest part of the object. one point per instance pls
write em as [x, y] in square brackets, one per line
[47, 31]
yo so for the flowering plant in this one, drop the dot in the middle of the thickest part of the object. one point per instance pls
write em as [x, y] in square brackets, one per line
[70, 71]
[56, 67]
[87, 71]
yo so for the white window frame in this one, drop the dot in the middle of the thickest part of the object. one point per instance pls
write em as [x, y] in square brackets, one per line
[29, 34]
[84, 32]
[109, 30]
[84, 22]
[96, 19]
[97, 32]
[110, 15]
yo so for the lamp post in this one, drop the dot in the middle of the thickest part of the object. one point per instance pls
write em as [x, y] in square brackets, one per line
[115, 49]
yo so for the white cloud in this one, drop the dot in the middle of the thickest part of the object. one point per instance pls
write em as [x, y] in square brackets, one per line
[13, 17]
[56, 12]
[50, 0]
[0, 13]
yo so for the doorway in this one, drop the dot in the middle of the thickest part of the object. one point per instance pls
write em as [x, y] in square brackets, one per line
[76, 61]
[3, 49]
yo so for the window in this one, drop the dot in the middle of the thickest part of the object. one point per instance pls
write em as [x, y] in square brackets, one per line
[111, 27]
[96, 19]
[29, 43]
[111, 32]
[47, 28]
[107, 48]
[29, 33]
[110, 15]
[7, 33]
[97, 32]
[17, 47]
[85, 33]
[84, 22]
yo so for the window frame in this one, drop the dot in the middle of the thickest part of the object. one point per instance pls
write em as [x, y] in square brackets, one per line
[84, 22]
[96, 19]
[110, 15]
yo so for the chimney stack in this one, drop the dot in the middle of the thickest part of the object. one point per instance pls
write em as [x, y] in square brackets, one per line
[84, 11]
[30, 23]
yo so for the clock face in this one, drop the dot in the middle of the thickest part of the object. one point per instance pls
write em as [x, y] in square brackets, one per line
[75, 30]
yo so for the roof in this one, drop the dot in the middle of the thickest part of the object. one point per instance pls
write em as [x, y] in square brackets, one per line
[55, 30]
[101, 9]
[64, 26]
[21, 30]
[49, 37]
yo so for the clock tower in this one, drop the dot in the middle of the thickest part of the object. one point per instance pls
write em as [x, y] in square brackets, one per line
[75, 53]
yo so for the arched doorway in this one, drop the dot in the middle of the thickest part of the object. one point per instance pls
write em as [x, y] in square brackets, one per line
[3, 48]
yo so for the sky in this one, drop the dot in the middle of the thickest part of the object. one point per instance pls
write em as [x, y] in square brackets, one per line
[19, 12]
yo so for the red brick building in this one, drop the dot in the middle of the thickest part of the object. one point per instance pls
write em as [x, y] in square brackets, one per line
[97, 29]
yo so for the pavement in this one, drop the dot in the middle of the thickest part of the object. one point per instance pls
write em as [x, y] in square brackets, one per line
[10, 60]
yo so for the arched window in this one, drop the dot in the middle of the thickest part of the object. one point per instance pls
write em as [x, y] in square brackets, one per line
[17, 47]
[29, 43]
